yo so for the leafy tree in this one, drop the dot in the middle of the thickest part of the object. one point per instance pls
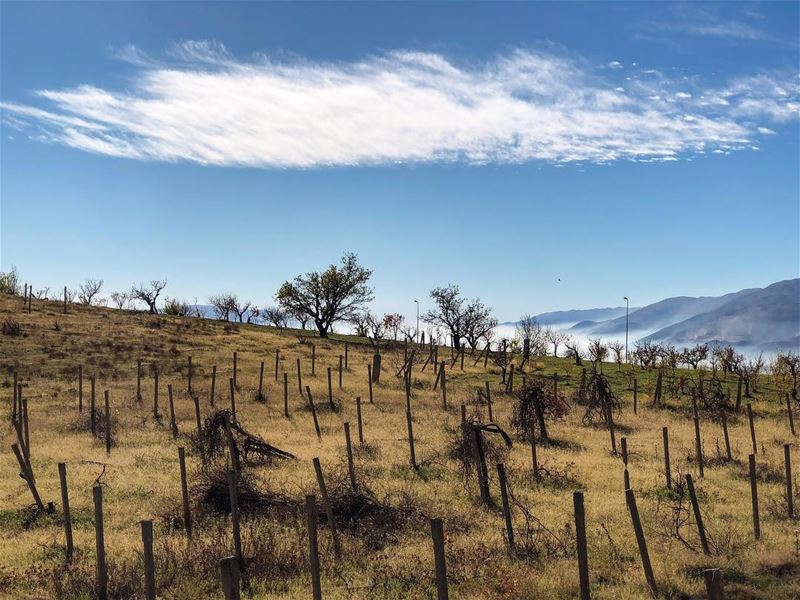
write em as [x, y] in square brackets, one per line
[393, 322]
[464, 320]
[9, 282]
[336, 294]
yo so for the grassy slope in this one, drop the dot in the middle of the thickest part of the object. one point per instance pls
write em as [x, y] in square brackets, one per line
[141, 474]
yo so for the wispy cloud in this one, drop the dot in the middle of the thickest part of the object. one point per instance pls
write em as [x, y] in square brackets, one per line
[203, 105]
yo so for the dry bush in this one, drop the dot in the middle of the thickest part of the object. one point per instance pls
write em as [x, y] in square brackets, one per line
[535, 402]
[11, 327]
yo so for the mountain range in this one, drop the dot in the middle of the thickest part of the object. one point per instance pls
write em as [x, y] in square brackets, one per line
[754, 319]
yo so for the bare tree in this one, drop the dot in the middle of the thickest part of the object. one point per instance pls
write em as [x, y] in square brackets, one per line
[254, 315]
[120, 299]
[149, 293]
[43, 293]
[573, 350]
[694, 356]
[336, 294]
[301, 318]
[393, 322]
[617, 348]
[598, 351]
[240, 307]
[787, 369]
[88, 290]
[277, 316]
[464, 320]
[222, 305]
[646, 354]
[529, 328]
[555, 337]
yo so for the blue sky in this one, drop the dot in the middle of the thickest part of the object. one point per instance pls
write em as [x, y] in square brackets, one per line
[635, 149]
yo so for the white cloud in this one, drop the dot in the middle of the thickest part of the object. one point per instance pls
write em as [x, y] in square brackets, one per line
[615, 64]
[208, 107]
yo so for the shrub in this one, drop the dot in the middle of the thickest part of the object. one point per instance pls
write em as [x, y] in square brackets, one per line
[11, 327]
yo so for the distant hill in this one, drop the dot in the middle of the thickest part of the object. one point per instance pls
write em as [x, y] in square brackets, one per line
[764, 317]
[758, 319]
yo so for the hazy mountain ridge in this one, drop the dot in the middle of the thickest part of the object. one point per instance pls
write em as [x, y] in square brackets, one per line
[762, 319]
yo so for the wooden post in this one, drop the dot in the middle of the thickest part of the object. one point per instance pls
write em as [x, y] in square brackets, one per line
[15, 400]
[233, 493]
[232, 385]
[108, 423]
[698, 445]
[62, 476]
[437, 533]
[323, 490]
[412, 454]
[350, 466]
[640, 541]
[27, 475]
[346, 353]
[340, 371]
[376, 368]
[789, 414]
[754, 496]
[714, 589]
[261, 382]
[360, 424]
[667, 470]
[235, 369]
[489, 400]
[444, 386]
[92, 417]
[510, 388]
[65, 299]
[187, 514]
[635, 394]
[330, 389]
[155, 394]
[196, 400]
[80, 388]
[172, 424]
[480, 462]
[501, 476]
[313, 412]
[27, 433]
[147, 555]
[534, 459]
[625, 474]
[213, 383]
[229, 574]
[299, 378]
[787, 463]
[728, 452]
[232, 450]
[100, 545]
[752, 428]
[189, 376]
[277, 362]
[313, 549]
[580, 539]
[698, 517]
[369, 379]
[286, 395]
[313, 360]
[139, 380]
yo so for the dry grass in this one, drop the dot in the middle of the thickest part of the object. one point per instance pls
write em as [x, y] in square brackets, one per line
[386, 543]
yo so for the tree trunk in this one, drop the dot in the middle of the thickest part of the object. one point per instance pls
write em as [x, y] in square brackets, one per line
[322, 328]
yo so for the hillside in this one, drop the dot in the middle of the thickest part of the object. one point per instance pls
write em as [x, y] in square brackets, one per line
[381, 511]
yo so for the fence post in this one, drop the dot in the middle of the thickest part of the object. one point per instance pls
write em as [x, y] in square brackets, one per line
[501, 476]
[698, 444]
[232, 385]
[172, 424]
[149, 567]
[754, 496]
[437, 533]
[138, 379]
[488, 400]
[789, 414]
[667, 470]
[155, 394]
[330, 389]
[189, 376]
[187, 515]
[626, 476]
[313, 412]
[376, 368]
[299, 378]
[92, 405]
[640, 541]
[714, 588]
[277, 361]
[261, 382]
[635, 394]
[360, 424]
[580, 538]
[752, 427]
[213, 383]
[286, 395]
[196, 400]
[28, 476]
[701, 530]
[410, 426]
[233, 492]
[65, 299]
[62, 476]
[444, 387]
[350, 466]
[80, 389]
[235, 369]
[313, 548]
[340, 371]
[229, 573]
[787, 462]
[100, 546]
[728, 452]
[323, 490]
[108, 423]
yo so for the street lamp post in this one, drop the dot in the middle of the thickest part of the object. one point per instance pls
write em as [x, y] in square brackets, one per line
[627, 305]
[416, 329]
